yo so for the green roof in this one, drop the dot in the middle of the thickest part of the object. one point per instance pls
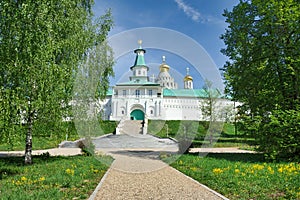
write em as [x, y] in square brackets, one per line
[139, 59]
[186, 93]
[109, 92]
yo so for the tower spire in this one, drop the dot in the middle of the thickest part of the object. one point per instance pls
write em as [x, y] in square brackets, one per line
[139, 68]
[139, 59]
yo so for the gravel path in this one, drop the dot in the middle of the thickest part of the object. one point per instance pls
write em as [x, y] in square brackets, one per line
[132, 177]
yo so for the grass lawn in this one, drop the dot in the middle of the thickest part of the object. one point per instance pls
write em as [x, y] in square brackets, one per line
[46, 137]
[198, 130]
[50, 177]
[243, 176]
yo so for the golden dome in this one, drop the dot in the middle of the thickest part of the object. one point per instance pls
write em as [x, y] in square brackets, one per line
[164, 67]
[188, 78]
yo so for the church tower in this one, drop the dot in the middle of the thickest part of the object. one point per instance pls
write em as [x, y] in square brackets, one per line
[188, 80]
[139, 69]
[164, 78]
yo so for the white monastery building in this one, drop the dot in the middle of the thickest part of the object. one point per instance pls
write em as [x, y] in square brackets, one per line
[159, 99]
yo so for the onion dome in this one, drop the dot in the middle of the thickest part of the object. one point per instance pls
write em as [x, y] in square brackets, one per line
[164, 67]
[188, 77]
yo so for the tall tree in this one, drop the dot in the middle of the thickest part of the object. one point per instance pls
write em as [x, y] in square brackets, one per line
[212, 111]
[41, 45]
[262, 42]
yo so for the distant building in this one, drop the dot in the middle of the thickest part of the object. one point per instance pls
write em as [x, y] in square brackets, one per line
[158, 99]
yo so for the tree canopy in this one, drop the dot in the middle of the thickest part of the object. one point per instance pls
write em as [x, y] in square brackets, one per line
[41, 45]
[262, 42]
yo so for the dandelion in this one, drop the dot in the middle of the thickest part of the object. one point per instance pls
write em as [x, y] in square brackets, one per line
[237, 171]
[42, 178]
[193, 169]
[280, 169]
[70, 171]
[270, 170]
[23, 178]
[217, 171]
[95, 171]
[18, 183]
[258, 167]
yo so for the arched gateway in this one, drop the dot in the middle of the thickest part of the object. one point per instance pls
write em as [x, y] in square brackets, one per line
[137, 115]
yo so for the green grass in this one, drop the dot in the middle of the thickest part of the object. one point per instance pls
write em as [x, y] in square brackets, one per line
[198, 130]
[46, 136]
[50, 177]
[243, 176]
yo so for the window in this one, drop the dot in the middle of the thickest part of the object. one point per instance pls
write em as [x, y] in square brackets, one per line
[124, 93]
[139, 72]
[137, 93]
[150, 93]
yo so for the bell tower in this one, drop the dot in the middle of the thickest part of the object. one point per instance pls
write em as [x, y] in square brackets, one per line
[139, 69]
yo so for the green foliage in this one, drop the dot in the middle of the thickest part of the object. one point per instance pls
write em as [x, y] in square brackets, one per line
[50, 135]
[262, 43]
[107, 126]
[89, 147]
[279, 138]
[50, 177]
[242, 176]
[42, 45]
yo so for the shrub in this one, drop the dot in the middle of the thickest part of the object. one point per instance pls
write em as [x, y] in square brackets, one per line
[279, 135]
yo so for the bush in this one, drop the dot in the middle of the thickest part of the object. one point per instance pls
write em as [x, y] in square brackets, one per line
[279, 135]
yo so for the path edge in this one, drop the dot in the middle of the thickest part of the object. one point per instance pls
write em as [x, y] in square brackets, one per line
[202, 185]
[94, 194]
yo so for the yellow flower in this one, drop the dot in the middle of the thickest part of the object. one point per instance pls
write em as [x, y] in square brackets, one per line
[180, 162]
[217, 171]
[42, 178]
[258, 166]
[70, 171]
[237, 171]
[95, 171]
[280, 169]
[193, 169]
[270, 170]
[23, 178]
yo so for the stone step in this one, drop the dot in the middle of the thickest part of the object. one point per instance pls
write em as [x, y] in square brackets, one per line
[131, 127]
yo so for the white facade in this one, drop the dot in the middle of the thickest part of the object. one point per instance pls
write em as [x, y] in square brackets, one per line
[139, 98]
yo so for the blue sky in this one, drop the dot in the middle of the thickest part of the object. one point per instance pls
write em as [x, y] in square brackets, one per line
[201, 20]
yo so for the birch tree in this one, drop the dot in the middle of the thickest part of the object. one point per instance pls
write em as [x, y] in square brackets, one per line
[41, 46]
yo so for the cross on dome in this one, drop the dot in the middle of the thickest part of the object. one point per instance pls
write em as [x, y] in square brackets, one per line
[140, 43]
[187, 71]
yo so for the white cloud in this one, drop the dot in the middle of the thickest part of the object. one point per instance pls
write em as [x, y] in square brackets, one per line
[190, 11]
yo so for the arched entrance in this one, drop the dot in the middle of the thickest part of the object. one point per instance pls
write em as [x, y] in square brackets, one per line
[137, 115]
